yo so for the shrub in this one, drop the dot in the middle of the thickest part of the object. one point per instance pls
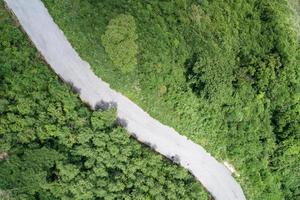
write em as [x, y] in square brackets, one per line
[119, 42]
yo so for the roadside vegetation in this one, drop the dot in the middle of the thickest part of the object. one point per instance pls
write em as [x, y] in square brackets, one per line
[54, 147]
[224, 73]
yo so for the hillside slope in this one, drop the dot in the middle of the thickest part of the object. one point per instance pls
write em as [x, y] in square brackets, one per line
[225, 74]
[53, 147]
[64, 60]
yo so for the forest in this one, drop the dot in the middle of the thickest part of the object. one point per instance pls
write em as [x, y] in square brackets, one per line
[57, 148]
[224, 73]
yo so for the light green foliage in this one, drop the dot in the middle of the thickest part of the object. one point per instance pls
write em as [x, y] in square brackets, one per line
[119, 41]
[4, 195]
[295, 17]
[101, 120]
[59, 149]
[225, 73]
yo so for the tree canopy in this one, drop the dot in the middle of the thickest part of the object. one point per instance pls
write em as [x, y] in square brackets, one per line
[224, 73]
[119, 41]
[57, 148]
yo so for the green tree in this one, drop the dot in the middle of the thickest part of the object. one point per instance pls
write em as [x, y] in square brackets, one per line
[119, 42]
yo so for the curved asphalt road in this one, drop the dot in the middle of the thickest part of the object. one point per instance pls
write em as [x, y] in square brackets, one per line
[64, 60]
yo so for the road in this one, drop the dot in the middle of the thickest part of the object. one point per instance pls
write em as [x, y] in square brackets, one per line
[67, 64]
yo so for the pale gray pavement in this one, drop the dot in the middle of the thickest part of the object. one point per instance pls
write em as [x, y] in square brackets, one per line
[64, 60]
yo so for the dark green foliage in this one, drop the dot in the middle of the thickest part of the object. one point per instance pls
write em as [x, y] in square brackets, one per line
[226, 73]
[58, 149]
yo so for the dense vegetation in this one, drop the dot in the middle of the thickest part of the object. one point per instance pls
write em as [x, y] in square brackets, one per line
[119, 42]
[53, 147]
[225, 73]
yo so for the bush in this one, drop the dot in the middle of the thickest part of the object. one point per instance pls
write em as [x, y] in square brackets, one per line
[119, 42]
